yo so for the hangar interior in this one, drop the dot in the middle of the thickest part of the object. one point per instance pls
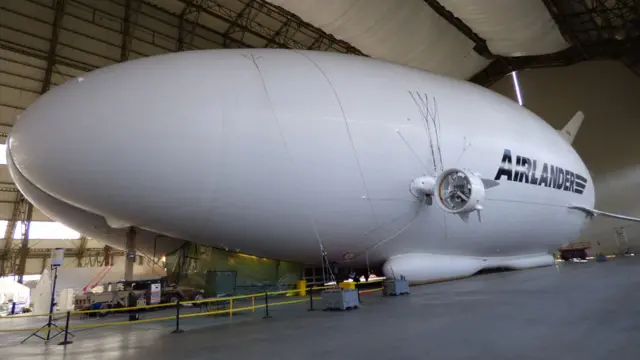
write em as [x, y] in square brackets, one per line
[567, 55]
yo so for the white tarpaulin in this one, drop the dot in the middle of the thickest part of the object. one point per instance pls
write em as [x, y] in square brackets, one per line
[410, 32]
[510, 27]
[12, 291]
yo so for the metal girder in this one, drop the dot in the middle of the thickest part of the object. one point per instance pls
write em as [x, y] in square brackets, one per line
[562, 23]
[51, 55]
[7, 260]
[14, 255]
[130, 256]
[80, 250]
[583, 22]
[319, 34]
[286, 30]
[241, 21]
[131, 11]
[480, 44]
[4, 188]
[108, 255]
[24, 244]
[31, 52]
[586, 23]
[220, 12]
[187, 24]
[320, 43]
[91, 257]
[14, 260]
[245, 22]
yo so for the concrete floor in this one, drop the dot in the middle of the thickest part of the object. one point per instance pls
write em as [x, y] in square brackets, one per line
[574, 311]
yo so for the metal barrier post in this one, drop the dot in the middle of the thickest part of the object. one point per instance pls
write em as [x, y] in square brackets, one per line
[266, 303]
[13, 308]
[49, 324]
[311, 299]
[230, 308]
[66, 331]
[253, 304]
[177, 330]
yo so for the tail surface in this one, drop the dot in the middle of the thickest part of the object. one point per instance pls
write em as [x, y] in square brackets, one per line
[570, 130]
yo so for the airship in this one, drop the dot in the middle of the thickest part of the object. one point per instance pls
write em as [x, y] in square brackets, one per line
[304, 156]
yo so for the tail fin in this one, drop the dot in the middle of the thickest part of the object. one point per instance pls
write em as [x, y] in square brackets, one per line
[570, 130]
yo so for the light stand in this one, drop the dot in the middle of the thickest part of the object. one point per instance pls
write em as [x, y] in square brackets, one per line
[57, 259]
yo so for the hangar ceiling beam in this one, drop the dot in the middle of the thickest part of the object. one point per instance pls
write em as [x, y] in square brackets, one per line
[220, 12]
[245, 22]
[25, 208]
[289, 28]
[24, 246]
[322, 41]
[80, 250]
[14, 255]
[131, 11]
[7, 259]
[189, 18]
[92, 257]
[37, 54]
[563, 24]
[247, 16]
[108, 255]
[187, 25]
[8, 187]
[584, 23]
[51, 55]
[480, 44]
[293, 24]
[240, 22]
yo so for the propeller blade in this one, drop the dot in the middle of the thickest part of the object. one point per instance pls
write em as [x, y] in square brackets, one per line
[463, 196]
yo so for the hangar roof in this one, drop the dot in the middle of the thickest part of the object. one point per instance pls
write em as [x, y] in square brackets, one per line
[44, 43]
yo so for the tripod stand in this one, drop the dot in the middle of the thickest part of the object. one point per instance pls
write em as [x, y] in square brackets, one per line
[50, 323]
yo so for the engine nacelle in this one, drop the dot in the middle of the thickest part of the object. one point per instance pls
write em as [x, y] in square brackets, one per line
[459, 191]
[423, 186]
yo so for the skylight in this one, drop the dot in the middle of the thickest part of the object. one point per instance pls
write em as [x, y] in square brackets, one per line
[3, 154]
[42, 230]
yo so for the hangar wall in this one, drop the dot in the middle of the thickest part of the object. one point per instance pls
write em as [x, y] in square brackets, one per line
[607, 93]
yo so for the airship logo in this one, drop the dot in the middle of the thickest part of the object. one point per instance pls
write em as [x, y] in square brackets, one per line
[528, 171]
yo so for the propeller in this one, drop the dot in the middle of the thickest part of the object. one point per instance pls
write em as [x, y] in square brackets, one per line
[454, 190]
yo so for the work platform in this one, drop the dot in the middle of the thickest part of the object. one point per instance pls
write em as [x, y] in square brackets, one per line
[574, 311]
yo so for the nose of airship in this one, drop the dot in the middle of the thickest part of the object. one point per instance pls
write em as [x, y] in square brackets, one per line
[47, 143]
[66, 145]
[109, 142]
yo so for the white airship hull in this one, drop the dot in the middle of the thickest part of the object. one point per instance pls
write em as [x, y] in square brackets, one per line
[276, 153]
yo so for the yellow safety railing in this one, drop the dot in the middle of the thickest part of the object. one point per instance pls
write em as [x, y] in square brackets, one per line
[232, 300]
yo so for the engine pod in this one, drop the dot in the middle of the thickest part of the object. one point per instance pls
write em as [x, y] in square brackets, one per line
[459, 191]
